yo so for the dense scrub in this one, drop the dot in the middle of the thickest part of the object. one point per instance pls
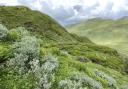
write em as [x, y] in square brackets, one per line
[27, 67]
[27, 62]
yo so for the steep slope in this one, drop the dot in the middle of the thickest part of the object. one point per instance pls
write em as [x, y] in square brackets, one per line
[31, 60]
[33, 21]
[105, 32]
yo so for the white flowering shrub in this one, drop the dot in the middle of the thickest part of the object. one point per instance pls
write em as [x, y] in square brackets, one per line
[3, 32]
[80, 81]
[111, 81]
[22, 31]
[68, 84]
[26, 62]
[28, 46]
[24, 52]
[45, 72]
[18, 63]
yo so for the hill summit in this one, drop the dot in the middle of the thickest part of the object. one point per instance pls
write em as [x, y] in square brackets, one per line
[33, 21]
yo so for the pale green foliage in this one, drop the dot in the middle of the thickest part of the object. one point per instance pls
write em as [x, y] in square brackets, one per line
[45, 72]
[24, 52]
[3, 32]
[68, 84]
[13, 35]
[22, 31]
[124, 87]
[18, 63]
[111, 81]
[28, 46]
[26, 62]
[17, 33]
[80, 81]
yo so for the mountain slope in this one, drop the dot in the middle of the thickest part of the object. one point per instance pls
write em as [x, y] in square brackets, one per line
[33, 21]
[31, 60]
[104, 32]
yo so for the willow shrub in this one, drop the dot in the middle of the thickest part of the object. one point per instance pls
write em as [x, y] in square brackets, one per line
[3, 32]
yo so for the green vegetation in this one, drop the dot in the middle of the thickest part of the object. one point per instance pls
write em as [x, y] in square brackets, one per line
[111, 33]
[35, 22]
[31, 60]
[3, 32]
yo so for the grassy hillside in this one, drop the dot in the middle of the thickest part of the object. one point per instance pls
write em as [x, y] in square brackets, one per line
[105, 32]
[31, 60]
[35, 22]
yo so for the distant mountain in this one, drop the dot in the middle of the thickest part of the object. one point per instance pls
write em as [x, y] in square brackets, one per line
[112, 33]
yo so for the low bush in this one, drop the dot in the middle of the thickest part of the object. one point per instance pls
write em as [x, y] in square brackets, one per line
[13, 35]
[111, 81]
[27, 63]
[28, 46]
[5, 53]
[3, 32]
[24, 52]
[80, 81]
[45, 72]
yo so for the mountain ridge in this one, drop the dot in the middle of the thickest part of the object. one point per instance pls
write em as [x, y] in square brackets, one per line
[106, 32]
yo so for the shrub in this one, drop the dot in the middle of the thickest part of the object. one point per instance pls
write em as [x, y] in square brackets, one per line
[3, 32]
[28, 46]
[45, 72]
[24, 52]
[111, 81]
[5, 53]
[18, 63]
[80, 81]
[26, 62]
[13, 35]
[68, 84]
[22, 31]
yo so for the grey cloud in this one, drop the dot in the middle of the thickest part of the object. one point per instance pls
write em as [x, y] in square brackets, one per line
[77, 7]
[2, 4]
[107, 12]
[60, 13]
[120, 14]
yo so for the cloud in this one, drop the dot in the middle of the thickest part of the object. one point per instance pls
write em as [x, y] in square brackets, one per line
[73, 11]
[9, 2]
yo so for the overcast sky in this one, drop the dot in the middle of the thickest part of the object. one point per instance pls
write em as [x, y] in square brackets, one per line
[73, 11]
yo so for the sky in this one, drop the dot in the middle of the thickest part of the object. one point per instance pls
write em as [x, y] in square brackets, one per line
[73, 11]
